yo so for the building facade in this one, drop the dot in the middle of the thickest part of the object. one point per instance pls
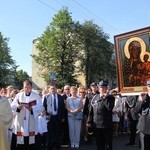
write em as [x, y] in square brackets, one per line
[37, 79]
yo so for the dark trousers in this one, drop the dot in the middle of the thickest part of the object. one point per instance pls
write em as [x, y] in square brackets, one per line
[42, 140]
[145, 141]
[54, 132]
[121, 128]
[65, 132]
[25, 146]
[103, 138]
[133, 124]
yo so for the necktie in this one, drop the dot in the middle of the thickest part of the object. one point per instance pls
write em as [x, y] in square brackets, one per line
[54, 103]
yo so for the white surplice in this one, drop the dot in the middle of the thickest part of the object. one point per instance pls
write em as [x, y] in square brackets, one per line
[27, 120]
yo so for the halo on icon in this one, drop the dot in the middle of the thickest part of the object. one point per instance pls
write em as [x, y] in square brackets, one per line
[143, 47]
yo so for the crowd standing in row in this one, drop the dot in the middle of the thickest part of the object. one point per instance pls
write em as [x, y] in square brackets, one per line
[56, 118]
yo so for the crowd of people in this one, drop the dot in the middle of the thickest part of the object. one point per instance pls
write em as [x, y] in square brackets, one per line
[63, 118]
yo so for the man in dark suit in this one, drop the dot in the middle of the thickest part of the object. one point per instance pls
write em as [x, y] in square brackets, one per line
[54, 106]
[100, 117]
[132, 117]
[65, 128]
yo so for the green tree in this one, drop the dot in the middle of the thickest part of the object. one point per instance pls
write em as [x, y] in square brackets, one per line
[59, 47]
[6, 62]
[97, 52]
[20, 77]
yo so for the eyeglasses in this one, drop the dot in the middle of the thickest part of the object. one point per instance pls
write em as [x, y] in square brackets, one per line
[81, 92]
[67, 89]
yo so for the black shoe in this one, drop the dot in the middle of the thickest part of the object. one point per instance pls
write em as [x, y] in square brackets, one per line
[130, 143]
[58, 147]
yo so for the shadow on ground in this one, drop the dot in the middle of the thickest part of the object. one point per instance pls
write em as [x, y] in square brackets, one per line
[118, 144]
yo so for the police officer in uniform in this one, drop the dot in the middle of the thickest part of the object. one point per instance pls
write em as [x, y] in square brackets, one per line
[100, 117]
[94, 88]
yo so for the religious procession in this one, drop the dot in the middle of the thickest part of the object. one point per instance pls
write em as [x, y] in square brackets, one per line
[74, 115]
[65, 118]
[74, 75]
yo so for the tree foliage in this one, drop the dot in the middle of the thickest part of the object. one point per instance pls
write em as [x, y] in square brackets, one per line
[95, 64]
[66, 43]
[59, 47]
[20, 77]
[6, 62]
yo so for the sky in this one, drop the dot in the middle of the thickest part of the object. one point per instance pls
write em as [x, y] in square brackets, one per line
[24, 20]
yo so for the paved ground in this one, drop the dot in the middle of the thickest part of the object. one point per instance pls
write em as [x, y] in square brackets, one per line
[118, 144]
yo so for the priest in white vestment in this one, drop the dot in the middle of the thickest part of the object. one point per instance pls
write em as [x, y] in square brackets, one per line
[27, 105]
[6, 117]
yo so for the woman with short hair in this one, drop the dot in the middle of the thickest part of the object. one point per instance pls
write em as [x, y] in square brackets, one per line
[74, 106]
